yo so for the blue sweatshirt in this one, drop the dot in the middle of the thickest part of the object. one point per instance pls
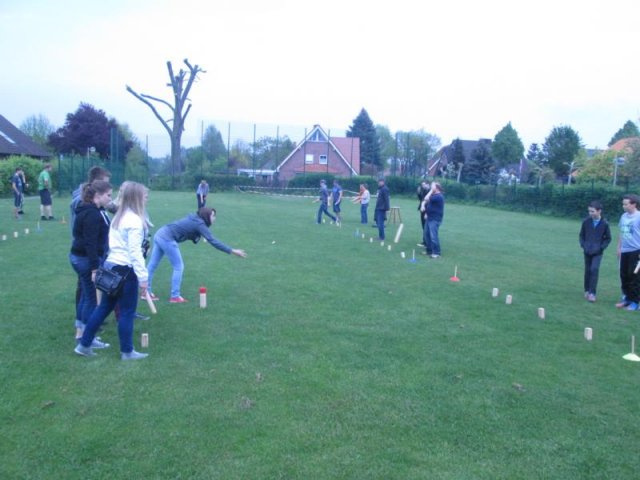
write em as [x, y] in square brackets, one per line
[193, 228]
[435, 207]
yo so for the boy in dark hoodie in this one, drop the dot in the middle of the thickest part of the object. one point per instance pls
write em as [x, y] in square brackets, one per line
[595, 237]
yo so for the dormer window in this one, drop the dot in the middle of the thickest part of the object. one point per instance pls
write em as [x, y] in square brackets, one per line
[318, 136]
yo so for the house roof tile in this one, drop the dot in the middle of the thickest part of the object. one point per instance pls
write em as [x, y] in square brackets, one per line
[14, 142]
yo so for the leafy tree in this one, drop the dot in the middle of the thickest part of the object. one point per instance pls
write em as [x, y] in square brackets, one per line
[415, 150]
[38, 127]
[599, 167]
[507, 148]
[537, 163]
[631, 168]
[480, 168]
[536, 155]
[387, 146]
[457, 158]
[213, 144]
[85, 129]
[363, 128]
[136, 161]
[240, 155]
[561, 147]
[270, 151]
[628, 130]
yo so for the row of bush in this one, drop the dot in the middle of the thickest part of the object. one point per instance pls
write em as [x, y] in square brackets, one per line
[32, 169]
[550, 199]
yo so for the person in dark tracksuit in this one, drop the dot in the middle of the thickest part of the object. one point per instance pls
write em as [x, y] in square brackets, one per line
[382, 207]
[323, 198]
[595, 237]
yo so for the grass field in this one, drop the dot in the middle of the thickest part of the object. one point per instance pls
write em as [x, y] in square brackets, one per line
[324, 356]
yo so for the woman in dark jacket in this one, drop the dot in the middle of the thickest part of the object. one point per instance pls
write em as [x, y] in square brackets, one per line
[89, 247]
[165, 242]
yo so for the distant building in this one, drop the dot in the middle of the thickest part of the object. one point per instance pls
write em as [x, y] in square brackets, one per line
[319, 153]
[438, 163]
[625, 145]
[261, 175]
[14, 142]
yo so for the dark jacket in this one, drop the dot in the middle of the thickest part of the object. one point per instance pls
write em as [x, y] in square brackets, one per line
[594, 240]
[90, 233]
[383, 201]
[193, 228]
[435, 207]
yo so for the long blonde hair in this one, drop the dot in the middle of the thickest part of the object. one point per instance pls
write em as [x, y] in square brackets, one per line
[130, 197]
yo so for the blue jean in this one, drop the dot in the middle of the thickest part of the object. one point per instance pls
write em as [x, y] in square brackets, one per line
[379, 218]
[591, 272]
[363, 213]
[323, 209]
[87, 303]
[431, 236]
[161, 247]
[127, 301]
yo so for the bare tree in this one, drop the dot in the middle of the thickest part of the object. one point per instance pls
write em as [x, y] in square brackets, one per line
[181, 85]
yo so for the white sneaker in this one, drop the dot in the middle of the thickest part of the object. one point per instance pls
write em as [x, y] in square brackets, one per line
[133, 355]
[84, 351]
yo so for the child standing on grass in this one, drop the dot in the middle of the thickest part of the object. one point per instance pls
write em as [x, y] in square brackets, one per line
[595, 237]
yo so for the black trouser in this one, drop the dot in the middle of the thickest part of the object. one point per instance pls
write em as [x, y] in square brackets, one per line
[630, 282]
[591, 271]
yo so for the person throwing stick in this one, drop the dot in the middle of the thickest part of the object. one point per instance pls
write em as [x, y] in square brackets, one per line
[165, 242]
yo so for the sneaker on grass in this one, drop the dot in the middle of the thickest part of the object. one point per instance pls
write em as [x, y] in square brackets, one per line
[133, 355]
[632, 307]
[97, 343]
[84, 351]
[177, 300]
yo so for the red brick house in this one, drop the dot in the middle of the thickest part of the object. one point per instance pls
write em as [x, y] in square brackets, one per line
[319, 153]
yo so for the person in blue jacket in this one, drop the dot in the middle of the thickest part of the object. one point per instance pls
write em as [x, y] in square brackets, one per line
[323, 198]
[165, 242]
[595, 237]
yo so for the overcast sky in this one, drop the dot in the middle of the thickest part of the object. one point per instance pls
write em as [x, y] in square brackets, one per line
[456, 68]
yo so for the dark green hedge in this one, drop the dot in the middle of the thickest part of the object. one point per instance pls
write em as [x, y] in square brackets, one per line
[32, 168]
[312, 180]
[217, 183]
[550, 199]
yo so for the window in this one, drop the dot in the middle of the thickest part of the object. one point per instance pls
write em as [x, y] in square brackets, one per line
[308, 158]
[323, 159]
[317, 136]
